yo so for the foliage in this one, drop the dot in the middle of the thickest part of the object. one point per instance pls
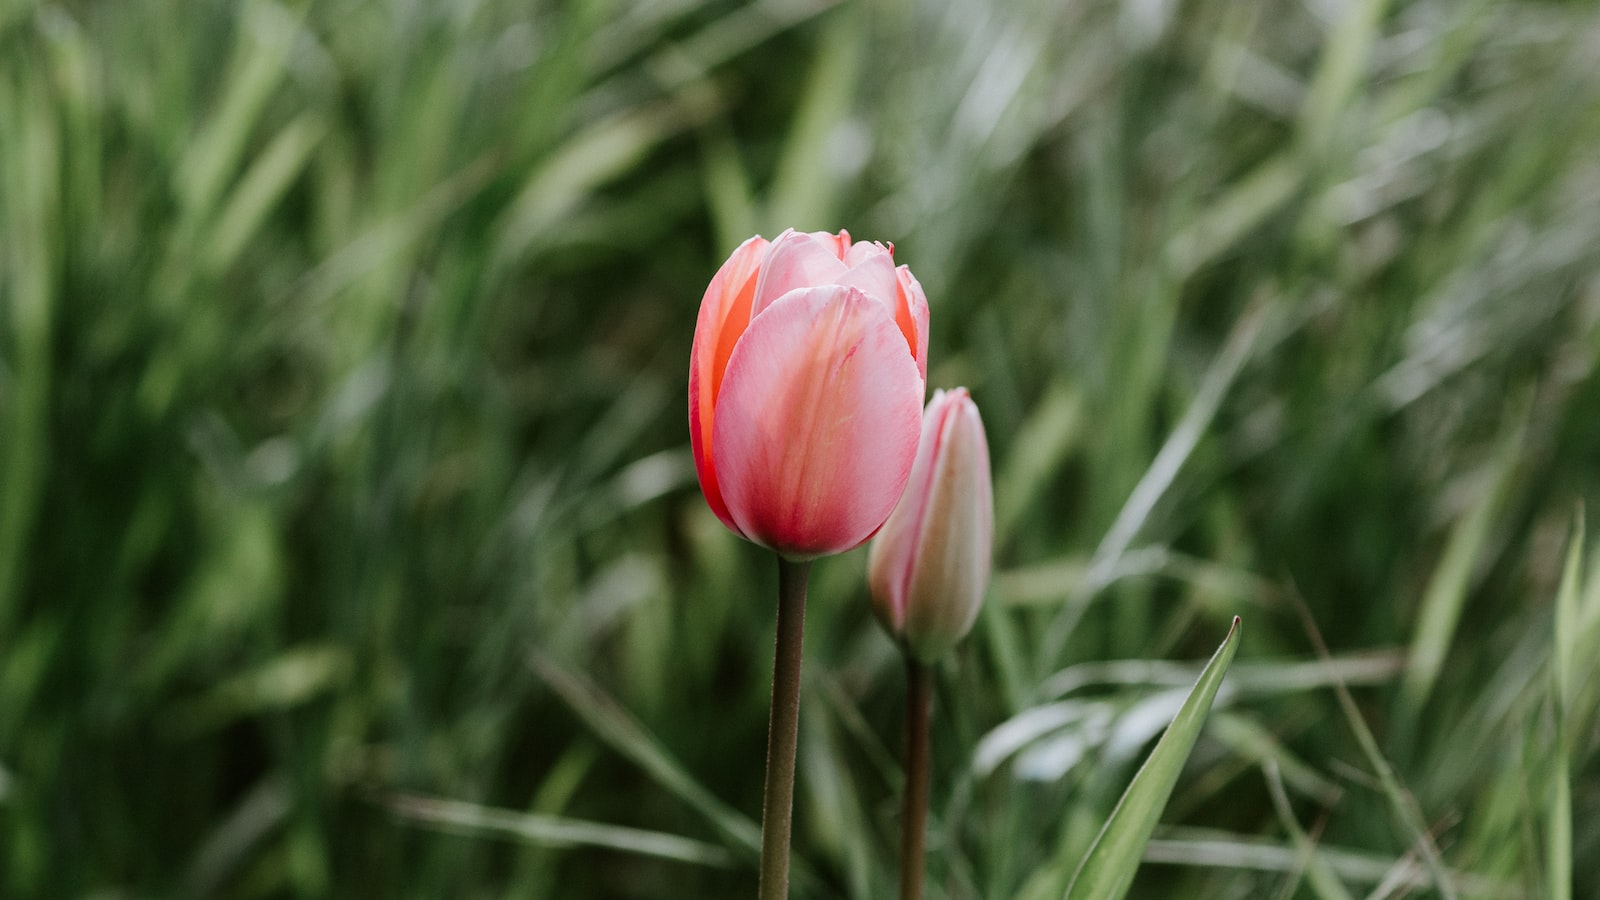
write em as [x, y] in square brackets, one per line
[349, 541]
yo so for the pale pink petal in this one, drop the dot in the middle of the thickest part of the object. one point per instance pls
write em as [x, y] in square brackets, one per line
[855, 254]
[724, 313]
[817, 423]
[839, 242]
[874, 274]
[797, 260]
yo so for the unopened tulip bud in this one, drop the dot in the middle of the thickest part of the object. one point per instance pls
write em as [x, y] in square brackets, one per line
[929, 565]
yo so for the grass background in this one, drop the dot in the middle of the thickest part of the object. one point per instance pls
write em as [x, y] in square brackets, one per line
[350, 543]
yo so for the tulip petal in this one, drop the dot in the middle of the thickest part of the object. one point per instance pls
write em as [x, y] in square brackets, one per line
[874, 274]
[797, 260]
[911, 313]
[817, 422]
[855, 254]
[894, 552]
[839, 242]
[724, 314]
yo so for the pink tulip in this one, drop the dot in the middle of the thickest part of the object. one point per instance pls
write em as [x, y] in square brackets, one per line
[929, 566]
[804, 388]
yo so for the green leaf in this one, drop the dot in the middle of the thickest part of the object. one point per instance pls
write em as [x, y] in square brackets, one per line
[1108, 868]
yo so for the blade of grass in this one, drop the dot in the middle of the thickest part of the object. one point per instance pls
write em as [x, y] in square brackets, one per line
[1400, 800]
[625, 734]
[1324, 882]
[1160, 475]
[629, 737]
[600, 153]
[1179, 445]
[1227, 219]
[1261, 678]
[266, 31]
[1583, 693]
[237, 837]
[260, 188]
[727, 186]
[1043, 444]
[1205, 847]
[1253, 744]
[808, 175]
[379, 244]
[1564, 674]
[1341, 70]
[535, 872]
[1446, 594]
[1108, 869]
[836, 819]
[1568, 625]
[556, 832]
[30, 177]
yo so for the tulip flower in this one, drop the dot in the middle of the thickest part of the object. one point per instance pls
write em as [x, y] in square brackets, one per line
[805, 400]
[805, 390]
[929, 566]
[928, 571]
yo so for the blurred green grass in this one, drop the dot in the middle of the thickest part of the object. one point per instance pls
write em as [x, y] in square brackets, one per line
[350, 545]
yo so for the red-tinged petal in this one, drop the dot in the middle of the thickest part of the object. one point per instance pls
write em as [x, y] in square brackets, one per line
[724, 314]
[911, 314]
[840, 243]
[797, 260]
[817, 423]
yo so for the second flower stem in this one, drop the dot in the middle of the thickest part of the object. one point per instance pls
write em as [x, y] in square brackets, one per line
[914, 813]
[783, 730]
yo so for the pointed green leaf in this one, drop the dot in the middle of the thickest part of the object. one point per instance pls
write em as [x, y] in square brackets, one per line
[1107, 870]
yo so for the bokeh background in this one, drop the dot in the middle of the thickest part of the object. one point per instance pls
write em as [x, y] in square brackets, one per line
[350, 544]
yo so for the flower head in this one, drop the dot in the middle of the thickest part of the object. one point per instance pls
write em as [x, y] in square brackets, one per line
[805, 383]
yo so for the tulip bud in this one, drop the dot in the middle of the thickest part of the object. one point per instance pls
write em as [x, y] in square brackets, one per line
[929, 566]
[805, 386]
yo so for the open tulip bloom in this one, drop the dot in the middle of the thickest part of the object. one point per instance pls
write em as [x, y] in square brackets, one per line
[805, 390]
[805, 406]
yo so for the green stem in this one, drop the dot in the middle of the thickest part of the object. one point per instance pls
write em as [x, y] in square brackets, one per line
[914, 813]
[783, 729]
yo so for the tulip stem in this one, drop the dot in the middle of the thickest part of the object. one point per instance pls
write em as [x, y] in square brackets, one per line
[914, 813]
[783, 729]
